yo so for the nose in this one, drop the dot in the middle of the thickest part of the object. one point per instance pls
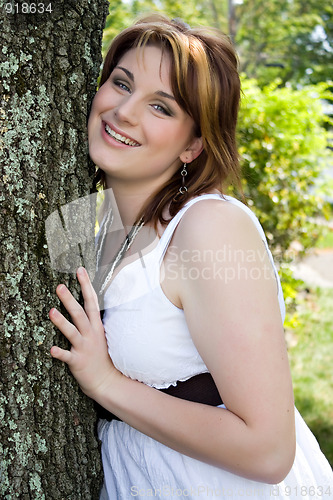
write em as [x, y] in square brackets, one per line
[127, 110]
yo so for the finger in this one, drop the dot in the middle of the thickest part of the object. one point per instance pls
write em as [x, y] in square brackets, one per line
[76, 312]
[91, 305]
[66, 327]
[61, 354]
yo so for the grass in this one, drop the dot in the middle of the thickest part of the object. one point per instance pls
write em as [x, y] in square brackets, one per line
[326, 240]
[310, 352]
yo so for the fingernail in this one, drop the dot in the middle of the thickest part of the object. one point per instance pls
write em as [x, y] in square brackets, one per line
[53, 351]
[81, 270]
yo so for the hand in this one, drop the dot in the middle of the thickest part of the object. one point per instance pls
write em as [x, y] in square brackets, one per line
[88, 358]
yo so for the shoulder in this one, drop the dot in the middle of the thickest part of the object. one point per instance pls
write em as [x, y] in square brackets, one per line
[208, 222]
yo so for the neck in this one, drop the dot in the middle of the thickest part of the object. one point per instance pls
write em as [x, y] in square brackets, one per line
[129, 200]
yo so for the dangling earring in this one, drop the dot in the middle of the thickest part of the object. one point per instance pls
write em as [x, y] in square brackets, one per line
[183, 173]
[183, 189]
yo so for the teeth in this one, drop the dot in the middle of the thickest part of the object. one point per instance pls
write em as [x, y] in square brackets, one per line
[120, 138]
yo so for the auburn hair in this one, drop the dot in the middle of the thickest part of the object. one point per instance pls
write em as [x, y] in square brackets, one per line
[205, 82]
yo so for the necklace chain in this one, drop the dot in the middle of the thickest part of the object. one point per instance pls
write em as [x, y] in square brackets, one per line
[125, 246]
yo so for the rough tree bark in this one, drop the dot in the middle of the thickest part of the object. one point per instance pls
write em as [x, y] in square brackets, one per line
[49, 66]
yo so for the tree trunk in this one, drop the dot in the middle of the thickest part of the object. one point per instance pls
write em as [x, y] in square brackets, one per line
[49, 67]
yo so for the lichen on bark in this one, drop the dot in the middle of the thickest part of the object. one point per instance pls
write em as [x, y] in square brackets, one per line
[49, 65]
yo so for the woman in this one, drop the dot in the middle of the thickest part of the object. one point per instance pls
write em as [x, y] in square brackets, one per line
[204, 298]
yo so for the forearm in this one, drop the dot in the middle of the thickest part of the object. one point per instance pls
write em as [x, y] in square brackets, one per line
[255, 440]
[210, 434]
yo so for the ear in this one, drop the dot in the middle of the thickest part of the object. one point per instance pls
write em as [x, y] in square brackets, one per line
[192, 151]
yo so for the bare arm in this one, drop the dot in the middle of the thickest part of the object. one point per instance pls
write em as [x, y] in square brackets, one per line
[237, 329]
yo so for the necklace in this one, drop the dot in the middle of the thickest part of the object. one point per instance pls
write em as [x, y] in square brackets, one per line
[103, 278]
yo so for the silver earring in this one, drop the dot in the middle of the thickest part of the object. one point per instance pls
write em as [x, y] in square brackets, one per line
[183, 189]
[183, 173]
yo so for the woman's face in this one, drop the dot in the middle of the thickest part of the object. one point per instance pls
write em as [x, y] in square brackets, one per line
[137, 131]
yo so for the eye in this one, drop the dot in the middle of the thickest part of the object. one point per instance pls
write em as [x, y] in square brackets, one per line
[121, 85]
[161, 109]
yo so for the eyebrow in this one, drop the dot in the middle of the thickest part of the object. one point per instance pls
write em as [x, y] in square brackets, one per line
[164, 94]
[158, 92]
[128, 73]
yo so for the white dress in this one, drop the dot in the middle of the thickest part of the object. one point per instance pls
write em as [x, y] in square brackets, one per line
[148, 340]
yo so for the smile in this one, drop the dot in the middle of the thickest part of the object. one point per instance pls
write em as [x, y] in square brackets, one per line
[120, 138]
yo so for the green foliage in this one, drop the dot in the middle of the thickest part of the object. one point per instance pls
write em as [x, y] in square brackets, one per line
[326, 239]
[283, 145]
[118, 19]
[292, 40]
[123, 13]
[287, 39]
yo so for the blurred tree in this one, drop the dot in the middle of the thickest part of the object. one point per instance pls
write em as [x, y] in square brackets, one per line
[119, 17]
[283, 145]
[204, 12]
[288, 39]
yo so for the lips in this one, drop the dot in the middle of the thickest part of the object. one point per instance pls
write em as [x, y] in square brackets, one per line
[122, 139]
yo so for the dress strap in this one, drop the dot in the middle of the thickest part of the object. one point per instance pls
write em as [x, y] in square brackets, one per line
[171, 227]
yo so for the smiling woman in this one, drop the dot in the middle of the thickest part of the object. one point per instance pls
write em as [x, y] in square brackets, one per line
[189, 362]
[203, 81]
[135, 118]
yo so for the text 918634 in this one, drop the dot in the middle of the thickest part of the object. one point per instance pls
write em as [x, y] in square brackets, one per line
[28, 8]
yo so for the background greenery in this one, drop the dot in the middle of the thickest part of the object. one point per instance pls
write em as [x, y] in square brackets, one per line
[287, 39]
[285, 49]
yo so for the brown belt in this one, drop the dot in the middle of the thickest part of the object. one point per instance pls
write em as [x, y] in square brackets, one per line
[199, 389]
